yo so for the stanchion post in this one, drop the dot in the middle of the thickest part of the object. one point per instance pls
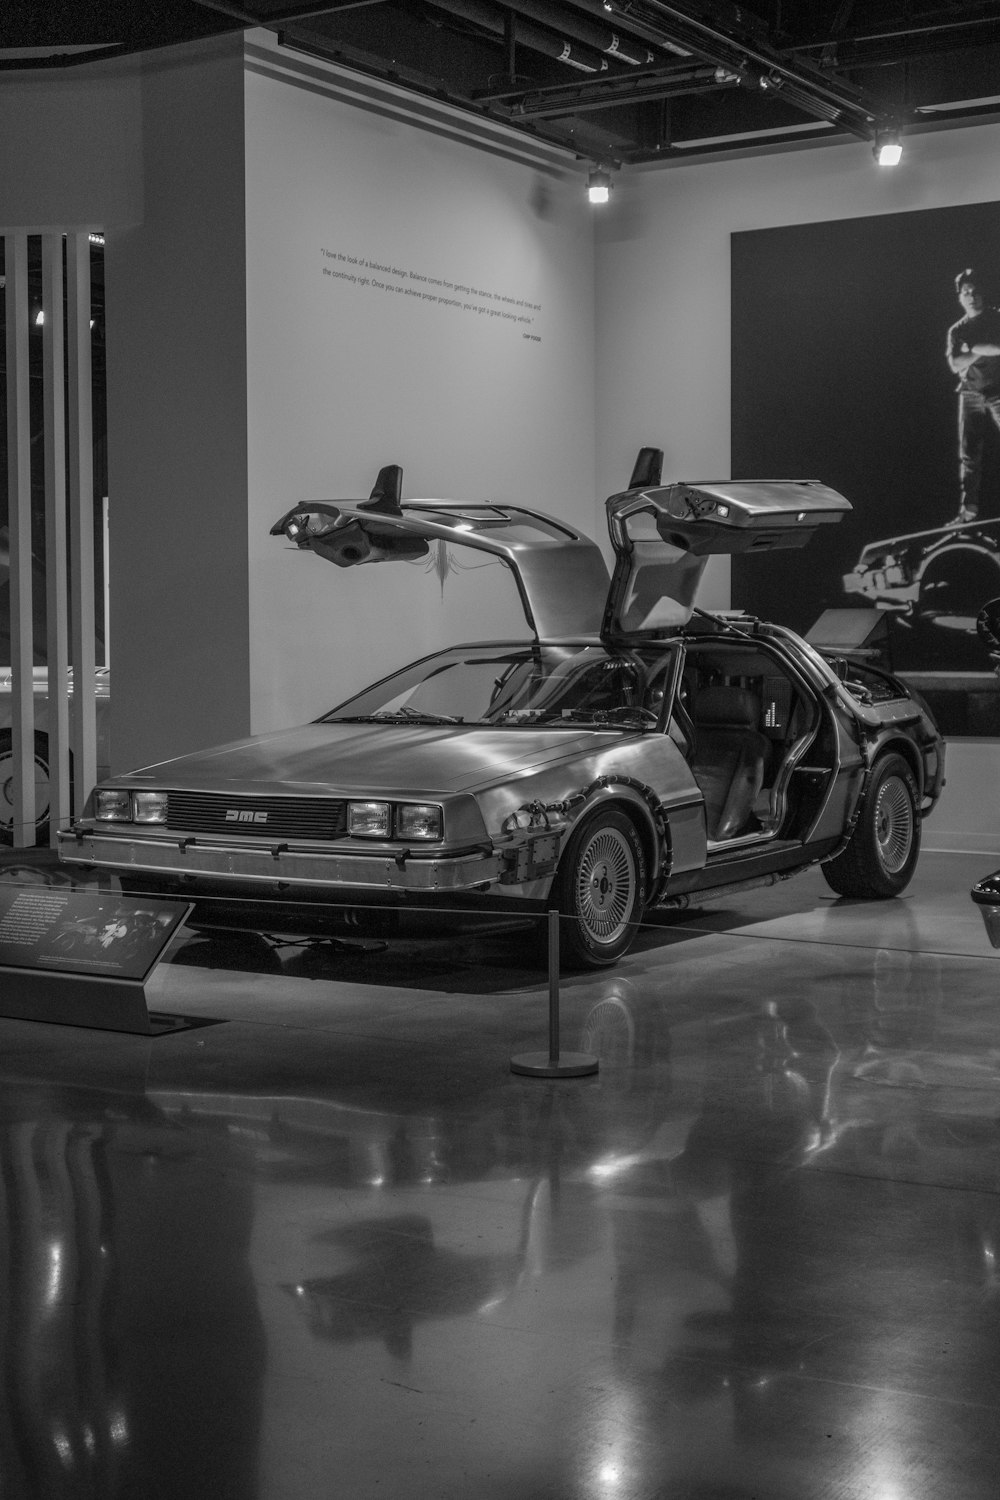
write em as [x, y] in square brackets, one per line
[553, 951]
[555, 1064]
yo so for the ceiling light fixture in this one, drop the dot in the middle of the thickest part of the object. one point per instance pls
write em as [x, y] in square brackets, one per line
[599, 186]
[888, 148]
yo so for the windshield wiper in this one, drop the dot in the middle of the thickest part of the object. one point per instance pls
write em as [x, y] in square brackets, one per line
[427, 717]
[397, 716]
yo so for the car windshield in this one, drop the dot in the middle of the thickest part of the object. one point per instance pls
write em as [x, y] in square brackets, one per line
[521, 687]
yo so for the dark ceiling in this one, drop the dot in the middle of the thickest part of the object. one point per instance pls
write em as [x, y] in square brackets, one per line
[617, 81]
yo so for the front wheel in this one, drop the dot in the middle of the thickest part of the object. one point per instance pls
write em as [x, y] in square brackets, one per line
[7, 787]
[599, 890]
[881, 856]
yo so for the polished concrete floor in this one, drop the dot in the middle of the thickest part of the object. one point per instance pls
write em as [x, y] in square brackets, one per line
[330, 1246]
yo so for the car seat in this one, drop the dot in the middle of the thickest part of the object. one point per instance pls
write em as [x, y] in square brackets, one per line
[729, 757]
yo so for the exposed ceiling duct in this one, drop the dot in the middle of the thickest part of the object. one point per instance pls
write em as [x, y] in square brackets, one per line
[623, 80]
[564, 48]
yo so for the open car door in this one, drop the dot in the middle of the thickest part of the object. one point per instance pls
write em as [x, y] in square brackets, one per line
[560, 574]
[663, 536]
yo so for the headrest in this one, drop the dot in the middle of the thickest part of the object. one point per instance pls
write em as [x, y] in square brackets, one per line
[727, 708]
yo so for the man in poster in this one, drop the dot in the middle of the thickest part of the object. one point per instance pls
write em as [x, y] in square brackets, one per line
[973, 354]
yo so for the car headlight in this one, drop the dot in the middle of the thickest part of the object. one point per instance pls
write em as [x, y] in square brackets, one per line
[149, 807]
[400, 820]
[369, 820]
[418, 820]
[112, 806]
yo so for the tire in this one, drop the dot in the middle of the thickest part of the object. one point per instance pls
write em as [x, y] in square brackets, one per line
[7, 787]
[600, 889]
[953, 589]
[881, 857]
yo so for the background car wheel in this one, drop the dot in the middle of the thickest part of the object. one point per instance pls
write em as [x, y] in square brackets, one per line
[599, 890]
[953, 589]
[7, 787]
[882, 854]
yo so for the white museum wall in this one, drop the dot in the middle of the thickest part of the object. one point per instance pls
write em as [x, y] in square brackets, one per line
[150, 150]
[176, 318]
[663, 329]
[478, 381]
[71, 147]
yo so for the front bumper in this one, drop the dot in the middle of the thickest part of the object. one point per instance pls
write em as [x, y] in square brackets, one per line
[274, 868]
[280, 865]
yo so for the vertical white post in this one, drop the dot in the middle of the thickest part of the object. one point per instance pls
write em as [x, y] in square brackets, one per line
[19, 519]
[54, 367]
[81, 516]
[106, 538]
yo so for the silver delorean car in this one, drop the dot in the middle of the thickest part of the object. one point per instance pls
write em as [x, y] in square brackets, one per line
[632, 752]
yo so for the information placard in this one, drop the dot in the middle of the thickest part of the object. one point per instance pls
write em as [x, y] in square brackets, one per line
[84, 931]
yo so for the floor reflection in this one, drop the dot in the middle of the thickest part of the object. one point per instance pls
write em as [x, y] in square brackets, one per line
[333, 1246]
[426, 1281]
[130, 1328]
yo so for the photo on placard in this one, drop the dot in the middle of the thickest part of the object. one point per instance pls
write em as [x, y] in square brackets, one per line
[862, 357]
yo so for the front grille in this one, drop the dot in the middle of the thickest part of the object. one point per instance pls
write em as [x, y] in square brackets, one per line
[256, 817]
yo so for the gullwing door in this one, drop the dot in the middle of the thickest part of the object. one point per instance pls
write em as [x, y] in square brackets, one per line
[663, 535]
[561, 577]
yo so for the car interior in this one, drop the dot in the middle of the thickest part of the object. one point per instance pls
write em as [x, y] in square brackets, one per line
[747, 725]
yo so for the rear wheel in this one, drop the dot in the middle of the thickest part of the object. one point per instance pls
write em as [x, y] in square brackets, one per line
[881, 856]
[953, 589]
[7, 787]
[599, 890]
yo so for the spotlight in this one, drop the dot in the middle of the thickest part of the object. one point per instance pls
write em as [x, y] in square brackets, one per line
[888, 148]
[599, 186]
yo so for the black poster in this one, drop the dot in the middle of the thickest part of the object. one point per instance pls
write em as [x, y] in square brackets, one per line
[840, 335]
[84, 931]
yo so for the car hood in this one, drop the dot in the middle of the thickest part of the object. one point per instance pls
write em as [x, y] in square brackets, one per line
[369, 759]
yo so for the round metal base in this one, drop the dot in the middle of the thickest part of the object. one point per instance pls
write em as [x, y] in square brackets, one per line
[542, 1065]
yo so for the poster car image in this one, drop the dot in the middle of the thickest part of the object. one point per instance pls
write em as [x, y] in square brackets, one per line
[863, 354]
[629, 751]
[935, 583]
